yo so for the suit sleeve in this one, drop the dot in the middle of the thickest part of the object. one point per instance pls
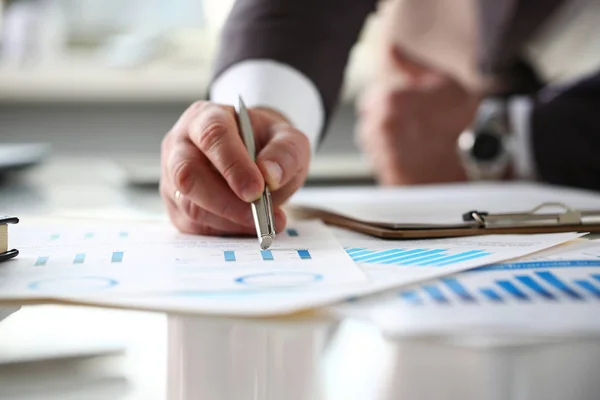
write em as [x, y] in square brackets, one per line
[566, 135]
[314, 37]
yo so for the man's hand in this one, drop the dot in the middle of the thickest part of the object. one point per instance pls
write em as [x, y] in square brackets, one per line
[409, 122]
[208, 178]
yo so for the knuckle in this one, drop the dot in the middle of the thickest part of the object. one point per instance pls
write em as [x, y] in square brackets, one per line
[183, 175]
[210, 136]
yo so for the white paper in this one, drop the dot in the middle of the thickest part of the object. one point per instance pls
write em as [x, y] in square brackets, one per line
[394, 263]
[260, 302]
[159, 269]
[553, 292]
[64, 259]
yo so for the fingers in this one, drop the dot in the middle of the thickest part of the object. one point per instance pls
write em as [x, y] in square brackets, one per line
[205, 161]
[285, 157]
[187, 170]
[188, 217]
[214, 131]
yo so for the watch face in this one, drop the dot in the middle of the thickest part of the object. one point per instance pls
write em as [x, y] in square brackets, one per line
[487, 146]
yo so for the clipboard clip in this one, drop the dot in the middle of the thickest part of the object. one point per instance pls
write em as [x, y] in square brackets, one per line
[568, 216]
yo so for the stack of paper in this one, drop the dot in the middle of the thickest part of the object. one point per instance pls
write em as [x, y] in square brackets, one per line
[556, 291]
[151, 266]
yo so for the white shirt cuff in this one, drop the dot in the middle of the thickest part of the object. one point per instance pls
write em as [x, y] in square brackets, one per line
[268, 83]
[519, 111]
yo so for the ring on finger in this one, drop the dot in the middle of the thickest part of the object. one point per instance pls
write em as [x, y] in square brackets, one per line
[178, 196]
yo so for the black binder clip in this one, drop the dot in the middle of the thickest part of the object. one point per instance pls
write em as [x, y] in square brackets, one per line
[5, 253]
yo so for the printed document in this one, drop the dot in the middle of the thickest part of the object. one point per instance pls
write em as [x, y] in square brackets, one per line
[151, 266]
[556, 291]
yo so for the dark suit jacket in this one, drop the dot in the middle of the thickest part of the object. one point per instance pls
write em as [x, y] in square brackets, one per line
[315, 37]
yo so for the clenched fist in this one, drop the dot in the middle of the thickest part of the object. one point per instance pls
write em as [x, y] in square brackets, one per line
[409, 122]
[208, 178]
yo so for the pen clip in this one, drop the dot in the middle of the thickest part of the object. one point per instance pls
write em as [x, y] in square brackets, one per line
[570, 216]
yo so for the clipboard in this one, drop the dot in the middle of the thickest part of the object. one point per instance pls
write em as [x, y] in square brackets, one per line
[473, 223]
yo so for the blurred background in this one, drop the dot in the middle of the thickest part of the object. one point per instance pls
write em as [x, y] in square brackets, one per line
[109, 78]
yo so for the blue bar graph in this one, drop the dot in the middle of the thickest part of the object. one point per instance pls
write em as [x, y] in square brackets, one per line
[412, 257]
[355, 252]
[588, 286]
[491, 295]
[468, 255]
[352, 250]
[89, 235]
[292, 232]
[378, 256]
[560, 285]
[123, 235]
[54, 236]
[229, 255]
[435, 293]
[538, 286]
[117, 257]
[411, 297]
[513, 290]
[459, 289]
[430, 260]
[422, 257]
[42, 260]
[535, 286]
[304, 254]
[409, 256]
[539, 265]
[266, 255]
[79, 258]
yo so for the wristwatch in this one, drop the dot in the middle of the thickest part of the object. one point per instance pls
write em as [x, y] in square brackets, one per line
[485, 147]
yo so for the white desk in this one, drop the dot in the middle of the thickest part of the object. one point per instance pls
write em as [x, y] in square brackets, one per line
[150, 356]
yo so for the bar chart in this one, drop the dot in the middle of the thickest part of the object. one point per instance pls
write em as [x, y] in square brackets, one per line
[413, 257]
[266, 255]
[115, 257]
[525, 288]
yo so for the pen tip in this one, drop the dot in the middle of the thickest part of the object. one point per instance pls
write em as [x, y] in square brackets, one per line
[265, 242]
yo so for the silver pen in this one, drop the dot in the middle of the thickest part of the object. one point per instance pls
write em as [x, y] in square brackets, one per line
[262, 209]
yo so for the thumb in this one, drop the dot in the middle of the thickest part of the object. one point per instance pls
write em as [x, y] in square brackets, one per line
[285, 156]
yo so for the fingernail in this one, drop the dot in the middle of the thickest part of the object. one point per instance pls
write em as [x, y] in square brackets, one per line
[250, 192]
[274, 172]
